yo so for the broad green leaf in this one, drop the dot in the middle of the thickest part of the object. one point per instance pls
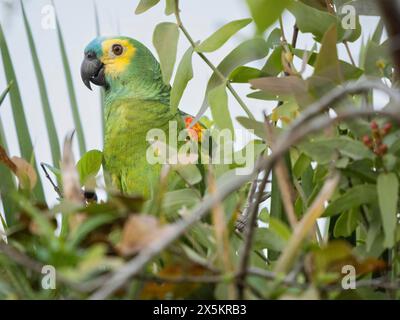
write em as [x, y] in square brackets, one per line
[47, 112]
[218, 100]
[145, 5]
[169, 7]
[243, 74]
[89, 165]
[309, 19]
[177, 200]
[262, 95]
[388, 193]
[279, 228]
[323, 150]
[327, 62]
[352, 198]
[71, 91]
[189, 172]
[346, 223]
[284, 87]
[244, 53]
[274, 66]
[377, 35]
[274, 38]
[265, 238]
[222, 35]
[165, 40]
[376, 58]
[266, 12]
[24, 138]
[257, 127]
[318, 22]
[301, 165]
[183, 75]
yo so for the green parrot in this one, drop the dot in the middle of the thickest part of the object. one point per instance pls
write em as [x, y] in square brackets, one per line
[136, 101]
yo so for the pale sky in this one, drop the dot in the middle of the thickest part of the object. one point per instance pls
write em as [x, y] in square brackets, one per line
[201, 17]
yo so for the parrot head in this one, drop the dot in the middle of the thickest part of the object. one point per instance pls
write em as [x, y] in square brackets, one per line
[112, 62]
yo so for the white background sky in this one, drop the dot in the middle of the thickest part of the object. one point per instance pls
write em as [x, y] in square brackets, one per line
[201, 17]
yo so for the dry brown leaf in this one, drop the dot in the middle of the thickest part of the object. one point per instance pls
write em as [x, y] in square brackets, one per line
[70, 176]
[25, 172]
[138, 232]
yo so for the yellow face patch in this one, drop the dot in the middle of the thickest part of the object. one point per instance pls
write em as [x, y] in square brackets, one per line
[116, 64]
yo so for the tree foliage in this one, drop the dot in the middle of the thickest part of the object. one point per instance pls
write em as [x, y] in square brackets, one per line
[326, 157]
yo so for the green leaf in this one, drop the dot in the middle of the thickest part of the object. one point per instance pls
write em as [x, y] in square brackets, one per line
[352, 198]
[145, 5]
[346, 223]
[265, 238]
[327, 62]
[323, 150]
[284, 87]
[189, 172]
[179, 199]
[266, 12]
[165, 40]
[301, 165]
[243, 74]
[47, 112]
[183, 75]
[262, 95]
[244, 53]
[89, 165]
[24, 138]
[222, 35]
[218, 100]
[274, 66]
[388, 193]
[257, 127]
[71, 91]
[318, 22]
[169, 7]
[309, 19]
[279, 228]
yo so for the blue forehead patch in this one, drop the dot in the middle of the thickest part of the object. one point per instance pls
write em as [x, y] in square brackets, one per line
[95, 46]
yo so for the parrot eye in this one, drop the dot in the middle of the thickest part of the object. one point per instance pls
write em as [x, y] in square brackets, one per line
[117, 49]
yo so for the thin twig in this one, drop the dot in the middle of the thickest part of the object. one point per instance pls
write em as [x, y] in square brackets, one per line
[55, 187]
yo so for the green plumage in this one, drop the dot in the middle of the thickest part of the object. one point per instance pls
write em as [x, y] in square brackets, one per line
[135, 102]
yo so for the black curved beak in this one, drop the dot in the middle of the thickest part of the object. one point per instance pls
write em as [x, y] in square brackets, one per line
[92, 70]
